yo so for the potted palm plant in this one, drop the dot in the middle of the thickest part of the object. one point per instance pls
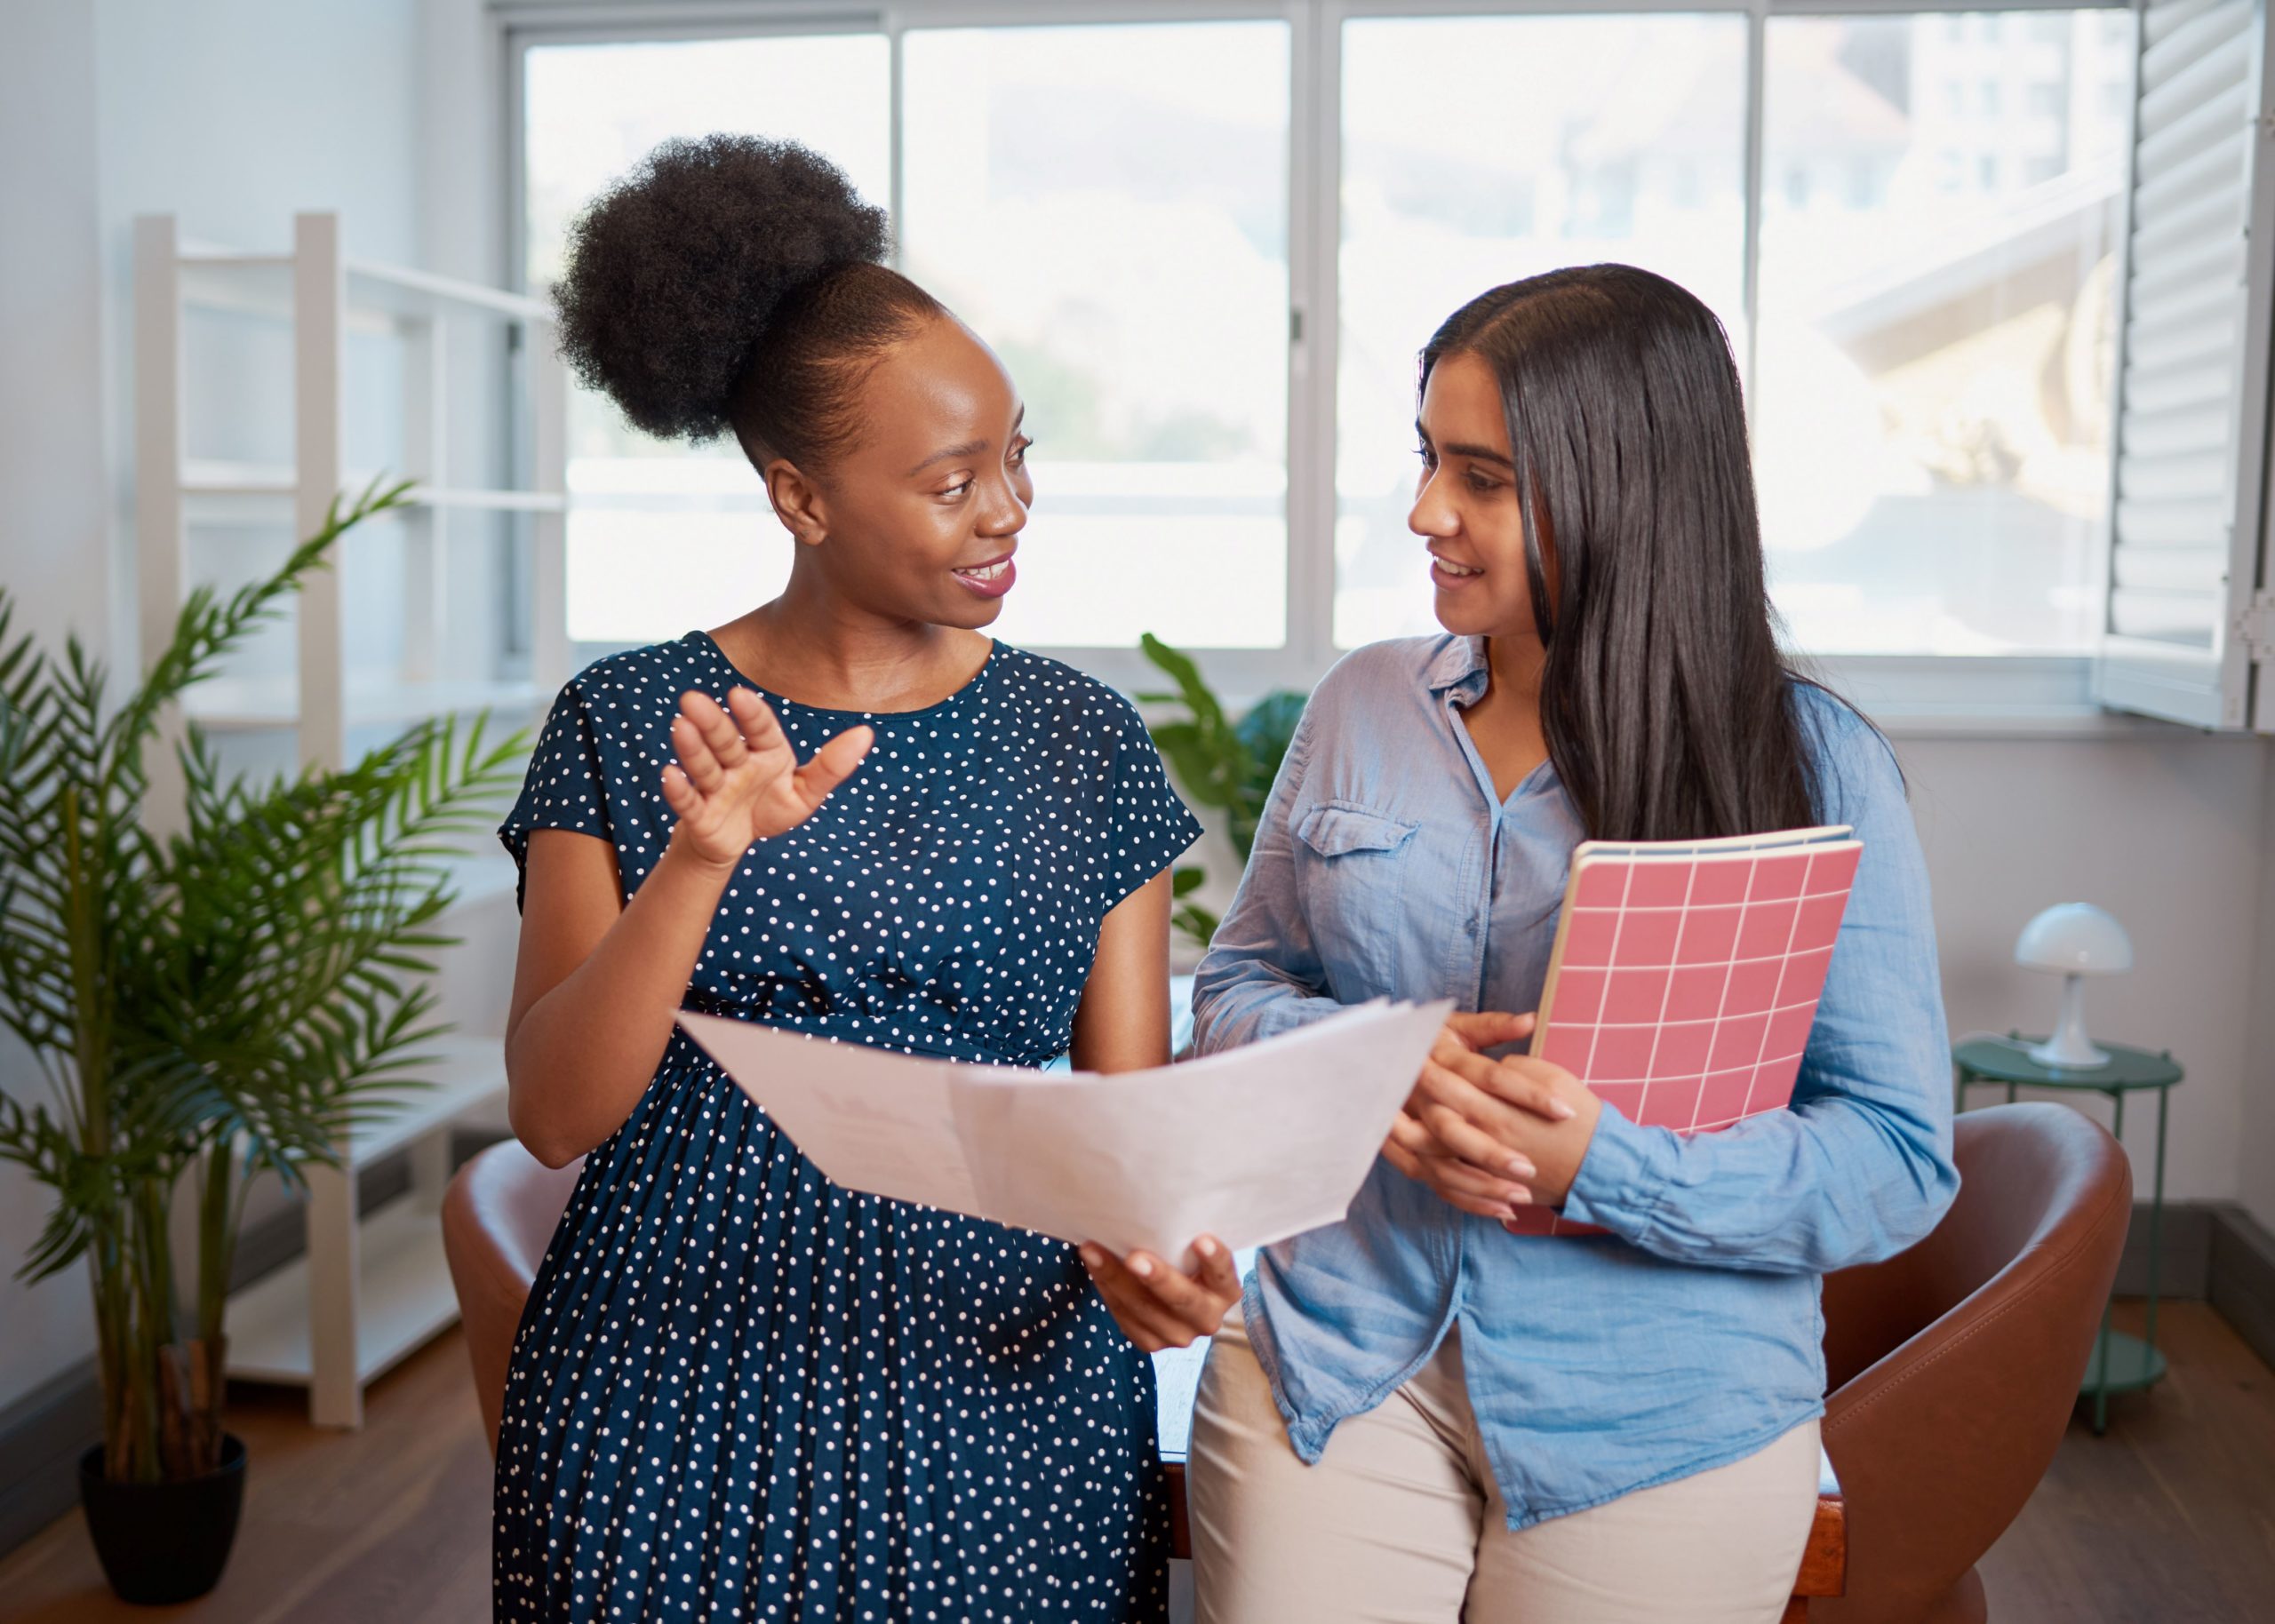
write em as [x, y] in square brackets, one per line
[1219, 760]
[225, 999]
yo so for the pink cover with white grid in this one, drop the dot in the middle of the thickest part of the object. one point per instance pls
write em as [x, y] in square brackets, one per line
[1685, 976]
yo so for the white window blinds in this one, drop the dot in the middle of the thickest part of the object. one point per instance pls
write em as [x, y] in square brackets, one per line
[2189, 514]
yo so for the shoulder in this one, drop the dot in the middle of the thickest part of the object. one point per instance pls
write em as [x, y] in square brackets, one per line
[1062, 698]
[631, 696]
[1382, 678]
[1854, 764]
[1398, 664]
[654, 670]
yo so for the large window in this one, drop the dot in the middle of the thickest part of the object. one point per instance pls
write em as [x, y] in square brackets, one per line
[1108, 207]
[1908, 224]
[664, 537]
[1480, 149]
[1939, 223]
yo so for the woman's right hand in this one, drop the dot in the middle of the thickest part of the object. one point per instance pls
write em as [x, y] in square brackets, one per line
[1444, 1137]
[737, 780]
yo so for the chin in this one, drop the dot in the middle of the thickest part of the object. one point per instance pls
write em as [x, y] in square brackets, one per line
[1464, 619]
[971, 615]
[1475, 614]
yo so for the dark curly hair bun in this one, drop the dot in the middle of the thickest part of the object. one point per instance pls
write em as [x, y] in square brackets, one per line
[679, 273]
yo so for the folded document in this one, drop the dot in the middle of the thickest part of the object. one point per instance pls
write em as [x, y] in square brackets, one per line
[1250, 1145]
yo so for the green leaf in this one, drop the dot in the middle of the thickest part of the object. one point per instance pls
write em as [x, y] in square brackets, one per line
[1269, 728]
[1196, 923]
[1195, 693]
[261, 975]
[1226, 765]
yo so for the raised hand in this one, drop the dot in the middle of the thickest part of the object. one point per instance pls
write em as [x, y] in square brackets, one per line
[737, 780]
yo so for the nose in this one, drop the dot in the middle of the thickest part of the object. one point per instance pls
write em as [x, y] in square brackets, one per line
[1003, 514]
[1433, 515]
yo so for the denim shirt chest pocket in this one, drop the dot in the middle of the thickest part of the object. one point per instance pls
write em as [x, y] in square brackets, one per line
[1351, 865]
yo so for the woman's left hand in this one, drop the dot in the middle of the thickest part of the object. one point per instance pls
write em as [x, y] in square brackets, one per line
[1159, 1307]
[1473, 1127]
[1555, 1148]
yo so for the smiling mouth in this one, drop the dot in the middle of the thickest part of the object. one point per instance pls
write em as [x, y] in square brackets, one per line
[989, 580]
[1459, 572]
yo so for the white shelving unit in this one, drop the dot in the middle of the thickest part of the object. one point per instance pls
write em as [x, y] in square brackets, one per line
[388, 1265]
[369, 1290]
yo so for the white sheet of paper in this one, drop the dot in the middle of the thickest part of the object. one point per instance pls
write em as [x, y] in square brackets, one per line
[1251, 1146]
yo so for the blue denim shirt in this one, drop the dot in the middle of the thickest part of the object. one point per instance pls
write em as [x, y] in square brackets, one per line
[1691, 1336]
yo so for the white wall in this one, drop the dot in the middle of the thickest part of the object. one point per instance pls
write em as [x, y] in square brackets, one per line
[2165, 830]
[2255, 1141]
[231, 113]
[53, 494]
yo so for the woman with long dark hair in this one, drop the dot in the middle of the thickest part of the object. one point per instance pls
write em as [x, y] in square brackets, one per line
[739, 1392]
[1416, 1414]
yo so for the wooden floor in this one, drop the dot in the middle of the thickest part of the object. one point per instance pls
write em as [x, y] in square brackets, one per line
[2169, 1518]
[388, 1526]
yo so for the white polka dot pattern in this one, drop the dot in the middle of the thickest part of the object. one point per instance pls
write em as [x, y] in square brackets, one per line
[742, 1393]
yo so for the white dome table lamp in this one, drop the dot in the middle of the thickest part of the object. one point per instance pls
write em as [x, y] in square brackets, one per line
[2076, 940]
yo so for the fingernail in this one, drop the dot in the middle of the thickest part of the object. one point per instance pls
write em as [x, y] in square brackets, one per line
[1205, 1246]
[1089, 1255]
[1522, 1168]
[1565, 1111]
[1140, 1267]
[1522, 1198]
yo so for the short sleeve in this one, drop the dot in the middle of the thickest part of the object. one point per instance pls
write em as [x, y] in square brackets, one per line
[566, 787]
[1148, 826]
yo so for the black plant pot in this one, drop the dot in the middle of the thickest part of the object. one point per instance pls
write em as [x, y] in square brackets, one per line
[164, 1543]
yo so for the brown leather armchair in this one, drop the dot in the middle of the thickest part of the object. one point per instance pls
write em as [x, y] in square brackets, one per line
[499, 1216]
[1953, 1368]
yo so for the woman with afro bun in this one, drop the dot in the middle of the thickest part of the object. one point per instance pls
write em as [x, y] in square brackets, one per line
[739, 1392]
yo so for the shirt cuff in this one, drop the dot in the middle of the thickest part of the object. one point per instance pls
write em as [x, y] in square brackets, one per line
[1618, 1184]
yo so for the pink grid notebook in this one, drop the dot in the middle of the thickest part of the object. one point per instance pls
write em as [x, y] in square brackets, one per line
[1685, 976]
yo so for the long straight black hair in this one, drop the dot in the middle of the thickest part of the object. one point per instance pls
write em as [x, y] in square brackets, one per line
[1669, 710]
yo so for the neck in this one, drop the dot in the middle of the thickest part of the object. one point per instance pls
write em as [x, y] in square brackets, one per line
[1515, 666]
[813, 643]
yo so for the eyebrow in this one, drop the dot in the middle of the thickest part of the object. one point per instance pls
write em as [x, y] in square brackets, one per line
[971, 448]
[1476, 453]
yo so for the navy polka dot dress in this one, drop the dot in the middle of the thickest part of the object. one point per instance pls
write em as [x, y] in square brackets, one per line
[739, 1392]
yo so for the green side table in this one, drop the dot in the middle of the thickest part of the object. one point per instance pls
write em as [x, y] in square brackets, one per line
[2121, 1363]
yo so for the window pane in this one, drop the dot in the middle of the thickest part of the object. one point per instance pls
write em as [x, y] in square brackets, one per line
[1479, 150]
[1107, 207]
[1932, 401]
[664, 537]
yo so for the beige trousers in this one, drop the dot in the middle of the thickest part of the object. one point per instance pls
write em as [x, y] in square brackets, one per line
[1400, 1522]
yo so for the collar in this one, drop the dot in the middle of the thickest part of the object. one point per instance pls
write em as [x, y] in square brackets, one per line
[1460, 665]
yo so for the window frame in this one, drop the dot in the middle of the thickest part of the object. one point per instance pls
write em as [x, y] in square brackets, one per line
[1923, 695]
